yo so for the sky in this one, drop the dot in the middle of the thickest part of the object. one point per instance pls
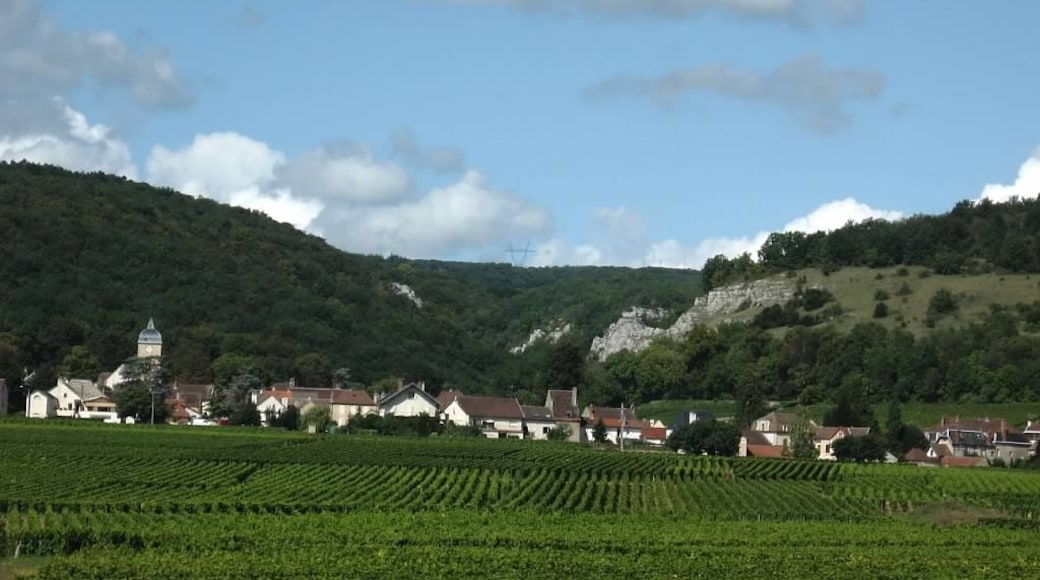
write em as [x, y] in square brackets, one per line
[599, 132]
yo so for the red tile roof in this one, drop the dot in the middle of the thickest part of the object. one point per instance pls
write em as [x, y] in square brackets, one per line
[951, 461]
[917, 455]
[446, 397]
[562, 404]
[655, 433]
[774, 451]
[351, 397]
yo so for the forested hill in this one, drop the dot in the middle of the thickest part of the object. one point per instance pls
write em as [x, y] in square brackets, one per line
[86, 259]
[974, 237]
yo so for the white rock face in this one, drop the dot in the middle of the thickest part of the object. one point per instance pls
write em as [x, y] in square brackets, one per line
[406, 291]
[631, 333]
[553, 334]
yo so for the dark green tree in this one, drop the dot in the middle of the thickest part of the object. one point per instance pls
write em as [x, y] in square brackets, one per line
[866, 448]
[289, 419]
[245, 415]
[143, 394]
[706, 437]
[599, 432]
[79, 363]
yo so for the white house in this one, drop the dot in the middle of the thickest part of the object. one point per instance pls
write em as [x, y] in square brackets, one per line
[826, 437]
[497, 417]
[538, 422]
[777, 428]
[349, 403]
[412, 400]
[41, 405]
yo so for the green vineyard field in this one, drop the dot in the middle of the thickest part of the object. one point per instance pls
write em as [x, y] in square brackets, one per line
[134, 502]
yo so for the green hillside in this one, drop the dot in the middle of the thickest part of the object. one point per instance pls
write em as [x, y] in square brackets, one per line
[86, 259]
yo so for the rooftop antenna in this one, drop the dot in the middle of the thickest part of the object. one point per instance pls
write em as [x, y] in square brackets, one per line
[519, 255]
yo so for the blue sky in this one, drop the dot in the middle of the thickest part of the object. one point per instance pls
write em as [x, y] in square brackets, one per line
[631, 132]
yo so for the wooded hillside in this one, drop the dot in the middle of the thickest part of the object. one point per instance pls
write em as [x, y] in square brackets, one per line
[86, 259]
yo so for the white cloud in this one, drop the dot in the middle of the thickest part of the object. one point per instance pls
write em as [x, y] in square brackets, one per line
[215, 165]
[234, 169]
[465, 214]
[439, 158]
[350, 174]
[80, 147]
[1026, 185]
[636, 250]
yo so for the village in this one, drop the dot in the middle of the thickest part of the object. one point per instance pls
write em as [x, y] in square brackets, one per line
[953, 442]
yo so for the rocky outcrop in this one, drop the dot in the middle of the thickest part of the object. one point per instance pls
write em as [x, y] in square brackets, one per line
[630, 332]
[553, 334]
[406, 291]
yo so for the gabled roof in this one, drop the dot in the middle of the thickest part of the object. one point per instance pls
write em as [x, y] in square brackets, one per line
[85, 389]
[754, 437]
[987, 425]
[535, 413]
[917, 455]
[1032, 428]
[44, 393]
[409, 388]
[491, 407]
[774, 451]
[352, 397]
[963, 438]
[829, 433]
[630, 424]
[446, 397]
[778, 422]
[596, 413]
[562, 403]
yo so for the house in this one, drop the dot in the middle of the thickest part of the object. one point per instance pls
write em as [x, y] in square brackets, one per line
[778, 427]
[497, 417]
[655, 435]
[193, 397]
[991, 438]
[411, 400]
[444, 398]
[563, 404]
[621, 423]
[41, 405]
[825, 438]
[343, 403]
[538, 422]
[347, 403]
[1032, 432]
[3, 397]
[181, 413]
[756, 444]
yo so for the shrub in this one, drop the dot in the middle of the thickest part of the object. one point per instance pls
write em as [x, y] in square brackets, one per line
[880, 310]
[880, 295]
[942, 303]
[904, 289]
[902, 272]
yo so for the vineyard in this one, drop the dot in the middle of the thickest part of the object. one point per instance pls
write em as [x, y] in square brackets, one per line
[111, 501]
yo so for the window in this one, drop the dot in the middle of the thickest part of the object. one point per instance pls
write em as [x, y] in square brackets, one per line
[545, 430]
[487, 424]
[763, 425]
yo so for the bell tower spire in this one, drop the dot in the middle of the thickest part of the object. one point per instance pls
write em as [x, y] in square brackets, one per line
[149, 342]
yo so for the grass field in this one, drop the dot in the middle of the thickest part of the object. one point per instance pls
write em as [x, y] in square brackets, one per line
[855, 288]
[137, 502]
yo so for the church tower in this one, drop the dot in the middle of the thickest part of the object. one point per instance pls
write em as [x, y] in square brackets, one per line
[149, 342]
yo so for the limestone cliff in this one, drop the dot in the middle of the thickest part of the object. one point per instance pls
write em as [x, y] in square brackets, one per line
[630, 332]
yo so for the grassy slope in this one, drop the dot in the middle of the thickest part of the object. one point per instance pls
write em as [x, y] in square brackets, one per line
[854, 290]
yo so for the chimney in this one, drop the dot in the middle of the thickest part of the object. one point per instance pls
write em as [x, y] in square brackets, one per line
[292, 382]
[422, 385]
[574, 396]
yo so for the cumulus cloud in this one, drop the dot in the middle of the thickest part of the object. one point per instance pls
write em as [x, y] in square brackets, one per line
[465, 214]
[39, 59]
[234, 169]
[797, 12]
[79, 146]
[348, 173]
[442, 159]
[636, 249]
[1025, 186]
[816, 96]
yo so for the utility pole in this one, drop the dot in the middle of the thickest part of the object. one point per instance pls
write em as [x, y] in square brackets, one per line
[622, 435]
